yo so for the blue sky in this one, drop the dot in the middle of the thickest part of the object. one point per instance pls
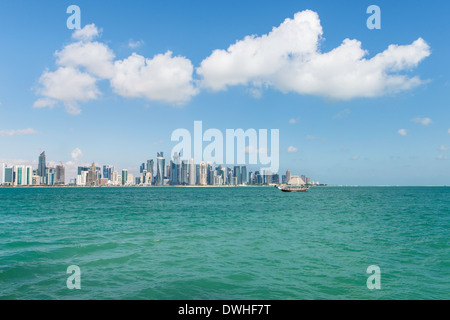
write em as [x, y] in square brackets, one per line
[396, 135]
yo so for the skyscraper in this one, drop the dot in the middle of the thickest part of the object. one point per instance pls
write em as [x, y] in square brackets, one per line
[237, 174]
[203, 173]
[184, 172]
[60, 175]
[174, 173]
[41, 171]
[192, 173]
[160, 163]
[124, 176]
[2, 173]
[91, 176]
[243, 175]
[9, 176]
[150, 165]
[107, 172]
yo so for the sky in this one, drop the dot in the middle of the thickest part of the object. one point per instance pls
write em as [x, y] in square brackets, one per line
[353, 105]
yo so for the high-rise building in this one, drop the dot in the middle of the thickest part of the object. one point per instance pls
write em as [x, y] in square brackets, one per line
[124, 176]
[150, 165]
[41, 171]
[9, 176]
[142, 168]
[160, 163]
[243, 175]
[288, 176]
[184, 172]
[237, 174]
[50, 176]
[107, 172]
[308, 180]
[197, 174]
[192, 173]
[60, 175]
[203, 173]
[91, 175]
[2, 173]
[173, 173]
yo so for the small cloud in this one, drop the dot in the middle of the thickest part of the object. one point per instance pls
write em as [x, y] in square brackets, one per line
[355, 157]
[444, 148]
[422, 121]
[345, 149]
[309, 137]
[292, 149]
[402, 132]
[45, 103]
[343, 114]
[20, 132]
[294, 120]
[441, 157]
[448, 131]
[88, 33]
[135, 44]
[76, 153]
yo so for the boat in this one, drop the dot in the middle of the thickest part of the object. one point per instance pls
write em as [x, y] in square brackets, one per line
[295, 184]
[287, 188]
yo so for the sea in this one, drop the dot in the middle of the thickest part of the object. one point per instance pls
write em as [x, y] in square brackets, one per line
[257, 243]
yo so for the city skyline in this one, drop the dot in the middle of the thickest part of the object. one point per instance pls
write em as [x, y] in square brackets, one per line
[393, 131]
[177, 173]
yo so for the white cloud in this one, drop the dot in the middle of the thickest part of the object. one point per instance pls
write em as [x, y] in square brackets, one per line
[164, 78]
[422, 121]
[292, 149]
[68, 85]
[293, 120]
[135, 44]
[88, 33]
[19, 132]
[442, 157]
[289, 59]
[354, 157]
[402, 132]
[448, 131]
[76, 153]
[95, 57]
[444, 148]
[82, 64]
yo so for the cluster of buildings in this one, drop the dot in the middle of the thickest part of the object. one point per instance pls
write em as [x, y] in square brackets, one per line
[21, 175]
[177, 172]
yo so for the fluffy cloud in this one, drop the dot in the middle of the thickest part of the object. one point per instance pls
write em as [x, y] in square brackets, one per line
[164, 78]
[292, 149]
[68, 85]
[20, 132]
[82, 64]
[423, 121]
[402, 132]
[95, 57]
[88, 33]
[288, 59]
[293, 120]
[444, 148]
[76, 153]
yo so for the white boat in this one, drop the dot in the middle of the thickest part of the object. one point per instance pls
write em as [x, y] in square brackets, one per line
[295, 184]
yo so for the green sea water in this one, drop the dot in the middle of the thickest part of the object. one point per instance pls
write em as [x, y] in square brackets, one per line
[225, 243]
